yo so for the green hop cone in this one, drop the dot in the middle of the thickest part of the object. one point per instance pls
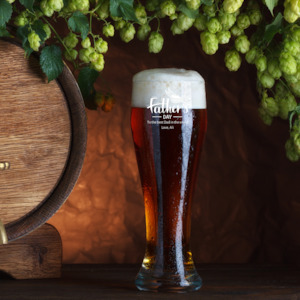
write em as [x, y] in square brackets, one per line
[173, 17]
[270, 105]
[261, 63]
[280, 89]
[127, 32]
[119, 24]
[236, 31]
[224, 37]
[242, 44]
[168, 8]
[266, 80]
[290, 150]
[98, 64]
[290, 79]
[78, 5]
[101, 46]
[294, 5]
[295, 33]
[46, 9]
[108, 30]
[286, 104]
[47, 30]
[243, 21]
[232, 60]
[175, 29]
[71, 54]
[93, 57]
[287, 63]
[232, 6]
[251, 55]
[255, 16]
[155, 43]
[193, 4]
[291, 10]
[21, 19]
[141, 14]
[86, 43]
[103, 10]
[295, 88]
[184, 22]
[296, 140]
[292, 47]
[213, 25]
[273, 68]
[200, 22]
[265, 117]
[56, 5]
[209, 10]
[71, 40]
[143, 32]
[34, 41]
[290, 16]
[84, 54]
[294, 77]
[152, 5]
[226, 20]
[209, 42]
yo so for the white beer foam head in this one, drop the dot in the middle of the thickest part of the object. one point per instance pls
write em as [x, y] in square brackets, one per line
[181, 88]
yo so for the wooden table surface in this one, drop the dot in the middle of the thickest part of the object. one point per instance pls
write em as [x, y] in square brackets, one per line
[89, 282]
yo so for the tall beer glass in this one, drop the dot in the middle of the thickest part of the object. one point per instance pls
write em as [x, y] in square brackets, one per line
[168, 121]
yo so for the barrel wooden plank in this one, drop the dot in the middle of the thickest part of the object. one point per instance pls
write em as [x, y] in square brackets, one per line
[35, 133]
[37, 255]
[43, 137]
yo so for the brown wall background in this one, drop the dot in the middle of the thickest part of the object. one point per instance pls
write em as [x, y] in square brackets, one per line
[246, 206]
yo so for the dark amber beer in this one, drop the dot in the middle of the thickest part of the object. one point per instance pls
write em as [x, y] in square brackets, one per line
[168, 122]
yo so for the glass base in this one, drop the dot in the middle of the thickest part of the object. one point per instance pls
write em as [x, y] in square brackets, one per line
[146, 280]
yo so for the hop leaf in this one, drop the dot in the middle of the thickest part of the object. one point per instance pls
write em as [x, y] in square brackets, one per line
[123, 9]
[4, 32]
[271, 4]
[272, 29]
[22, 34]
[27, 4]
[86, 80]
[79, 23]
[191, 13]
[5, 12]
[51, 62]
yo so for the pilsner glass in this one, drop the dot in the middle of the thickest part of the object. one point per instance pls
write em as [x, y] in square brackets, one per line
[168, 122]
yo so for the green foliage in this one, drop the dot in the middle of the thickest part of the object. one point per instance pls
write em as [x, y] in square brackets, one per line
[51, 61]
[79, 23]
[265, 34]
[271, 4]
[5, 12]
[123, 9]
[4, 32]
[27, 4]
[86, 80]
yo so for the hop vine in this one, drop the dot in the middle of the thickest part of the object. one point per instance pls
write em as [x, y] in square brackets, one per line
[264, 34]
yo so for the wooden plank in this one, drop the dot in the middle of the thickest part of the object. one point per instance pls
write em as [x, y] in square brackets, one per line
[95, 282]
[35, 133]
[43, 136]
[37, 255]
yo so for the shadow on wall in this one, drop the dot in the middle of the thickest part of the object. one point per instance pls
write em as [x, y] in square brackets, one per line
[246, 206]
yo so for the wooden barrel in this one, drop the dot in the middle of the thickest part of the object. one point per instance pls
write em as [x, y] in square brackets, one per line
[42, 140]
